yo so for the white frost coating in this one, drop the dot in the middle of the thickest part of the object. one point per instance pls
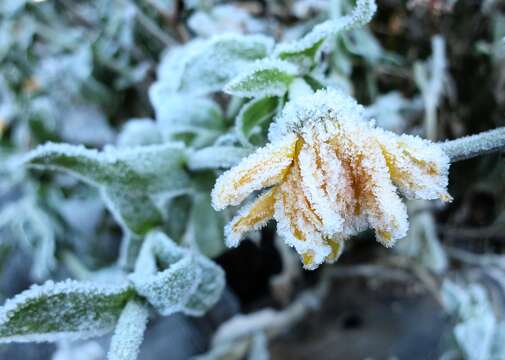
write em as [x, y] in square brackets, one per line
[231, 188]
[174, 279]
[312, 108]
[128, 178]
[268, 77]
[423, 169]
[201, 67]
[138, 132]
[361, 14]
[224, 19]
[65, 310]
[215, 157]
[129, 332]
[169, 290]
[35, 230]
[233, 235]
[333, 174]
[477, 332]
[186, 114]
[313, 183]
[471, 146]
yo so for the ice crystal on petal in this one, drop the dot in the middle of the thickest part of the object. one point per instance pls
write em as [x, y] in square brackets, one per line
[264, 168]
[331, 175]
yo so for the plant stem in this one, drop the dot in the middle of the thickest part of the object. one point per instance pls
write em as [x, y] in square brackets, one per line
[471, 146]
[129, 332]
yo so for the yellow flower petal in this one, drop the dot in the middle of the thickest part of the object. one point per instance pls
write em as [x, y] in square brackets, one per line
[251, 217]
[337, 248]
[266, 167]
[386, 213]
[297, 222]
[373, 190]
[314, 181]
[417, 167]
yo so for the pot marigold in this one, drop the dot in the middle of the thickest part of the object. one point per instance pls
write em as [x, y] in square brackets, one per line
[327, 174]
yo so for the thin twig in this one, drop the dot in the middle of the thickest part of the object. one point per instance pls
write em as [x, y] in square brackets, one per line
[471, 146]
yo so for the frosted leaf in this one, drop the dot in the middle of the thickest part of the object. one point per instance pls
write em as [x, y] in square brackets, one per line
[265, 167]
[305, 51]
[475, 336]
[254, 117]
[361, 42]
[85, 124]
[129, 332]
[64, 310]
[169, 290]
[35, 230]
[216, 157]
[205, 226]
[476, 325]
[264, 78]
[201, 67]
[333, 174]
[196, 120]
[174, 279]
[209, 290]
[226, 18]
[172, 63]
[127, 178]
[138, 132]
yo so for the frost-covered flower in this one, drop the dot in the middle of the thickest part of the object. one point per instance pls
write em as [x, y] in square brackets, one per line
[330, 174]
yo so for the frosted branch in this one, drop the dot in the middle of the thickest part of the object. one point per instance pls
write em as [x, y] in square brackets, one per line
[471, 146]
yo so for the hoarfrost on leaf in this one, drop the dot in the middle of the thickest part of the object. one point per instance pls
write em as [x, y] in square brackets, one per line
[35, 230]
[63, 310]
[477, 330]
[194, 119]
[223, 19]
[174, 279]
[270, 77]
[305, 51]
[128, 178]
[204, 66]
[254, 117]
[139, 132]
[202, 216]
[216, 157]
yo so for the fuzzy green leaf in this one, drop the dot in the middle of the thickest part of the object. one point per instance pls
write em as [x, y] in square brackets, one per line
[196, 120]
[174, 279]
[254, 118]
[64, 310]
[127, 178]
[204, 66]
[264, 78]
[304, 52]
[210, 241]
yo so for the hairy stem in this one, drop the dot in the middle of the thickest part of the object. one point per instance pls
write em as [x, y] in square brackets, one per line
[129, 332]
[471, 146]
